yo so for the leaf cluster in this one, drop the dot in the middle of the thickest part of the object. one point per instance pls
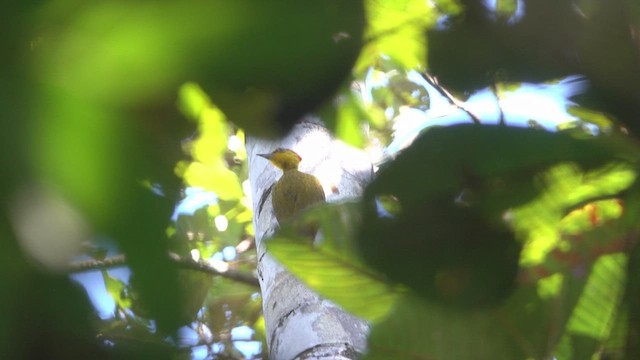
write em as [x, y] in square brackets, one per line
[475, 242]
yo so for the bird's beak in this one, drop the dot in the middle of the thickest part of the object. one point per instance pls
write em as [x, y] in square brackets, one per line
[266, 156]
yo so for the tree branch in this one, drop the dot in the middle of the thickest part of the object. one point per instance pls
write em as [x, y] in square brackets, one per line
[452, 99]
[185, 263]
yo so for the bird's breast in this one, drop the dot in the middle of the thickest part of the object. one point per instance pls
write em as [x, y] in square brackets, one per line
[294, 192]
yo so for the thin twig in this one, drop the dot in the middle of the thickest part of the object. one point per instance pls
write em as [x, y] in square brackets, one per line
[452, 99]
[185, 263]
[494, 88]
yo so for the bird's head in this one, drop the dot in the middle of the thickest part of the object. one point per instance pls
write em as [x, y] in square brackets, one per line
[285, 159]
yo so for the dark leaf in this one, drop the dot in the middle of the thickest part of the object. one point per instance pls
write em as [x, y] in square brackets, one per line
[448, 241]
[264, 63]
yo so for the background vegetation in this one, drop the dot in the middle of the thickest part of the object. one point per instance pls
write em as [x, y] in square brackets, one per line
[510, 236]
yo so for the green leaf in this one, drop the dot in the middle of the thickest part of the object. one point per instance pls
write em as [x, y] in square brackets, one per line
[350, 284]
[332, 267]
[449, 241]
[80, 148]
[349, 118]
[192, 100]
[506, 8]
[212, 142]
[601, 120]
[565, 186]
[154, 275]
[396, 29]
[595, 314]
[256, 59]
[216, 177]
[117, 289]
[577, 316]
[418, 329]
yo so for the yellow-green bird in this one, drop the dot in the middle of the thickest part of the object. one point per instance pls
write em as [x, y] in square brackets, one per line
[295, 190]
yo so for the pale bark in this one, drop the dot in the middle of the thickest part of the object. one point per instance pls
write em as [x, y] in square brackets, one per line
[299, 323]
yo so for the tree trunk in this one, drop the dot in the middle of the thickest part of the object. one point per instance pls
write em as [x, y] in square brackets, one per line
[299, 323]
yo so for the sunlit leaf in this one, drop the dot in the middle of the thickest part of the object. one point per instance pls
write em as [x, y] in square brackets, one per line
[217, 178]
[396, 29]
[597, 312]
[588, 272]
[117, 289]
[349, 118]
[192, 100]
[245, 216]
[566, 186]
[595, 213]
[213, 135]
[350, 284]
[618, 336]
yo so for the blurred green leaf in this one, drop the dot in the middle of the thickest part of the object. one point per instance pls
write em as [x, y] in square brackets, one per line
[393, 88]
[453, 186]
[506, 8]
[601, 120]
[350, 115]
[98, 158]
[144, 242]
[215, 177]
[195, 286]
[565, 186]
[193, 101]
[417, 329]
[615, 344]
[396, 29]
[581, 282]
[212, 127]
[450, 7]
[578, 316]
[117, 289]
[256, 59]
[446, 253]
[209, 169]
[79, 147]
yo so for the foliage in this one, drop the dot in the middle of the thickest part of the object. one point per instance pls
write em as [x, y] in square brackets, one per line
[337, 268]
[475, 241]
[447, 217]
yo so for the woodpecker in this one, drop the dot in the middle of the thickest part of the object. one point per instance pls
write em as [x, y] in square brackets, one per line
[295, 190]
